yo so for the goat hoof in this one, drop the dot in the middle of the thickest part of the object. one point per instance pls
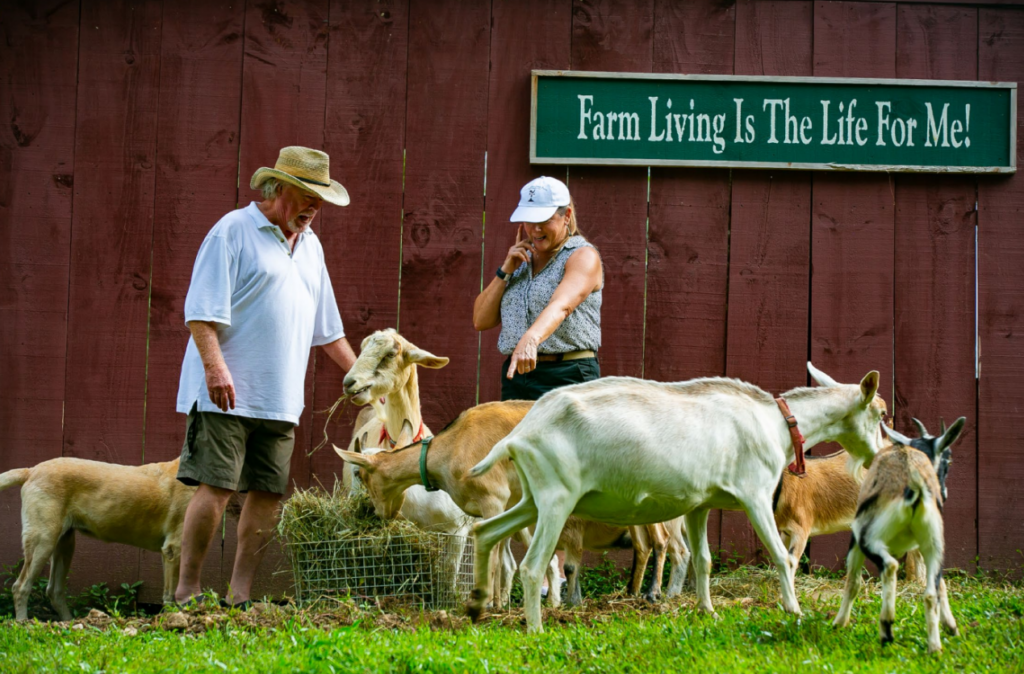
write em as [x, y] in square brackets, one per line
[652, 598]
[475, 608]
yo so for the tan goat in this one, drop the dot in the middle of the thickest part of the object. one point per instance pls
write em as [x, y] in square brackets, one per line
[451, 455]
[142, 506]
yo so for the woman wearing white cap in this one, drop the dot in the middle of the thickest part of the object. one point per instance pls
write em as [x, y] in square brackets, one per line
[546, 296]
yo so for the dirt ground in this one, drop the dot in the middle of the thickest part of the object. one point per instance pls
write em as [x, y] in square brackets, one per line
[747, 588]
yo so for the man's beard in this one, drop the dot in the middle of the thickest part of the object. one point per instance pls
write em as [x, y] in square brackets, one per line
[296, 226]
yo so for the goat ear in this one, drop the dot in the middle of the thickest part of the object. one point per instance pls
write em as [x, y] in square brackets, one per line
[820, 377]
[869, 387]
[951, 434]
[896, 436]
[920, 427]
[361, 460]
[423, 358]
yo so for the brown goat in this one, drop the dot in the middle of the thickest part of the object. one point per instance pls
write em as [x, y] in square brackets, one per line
[823, 501]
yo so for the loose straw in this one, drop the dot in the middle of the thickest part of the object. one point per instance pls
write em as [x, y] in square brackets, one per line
[330, 415]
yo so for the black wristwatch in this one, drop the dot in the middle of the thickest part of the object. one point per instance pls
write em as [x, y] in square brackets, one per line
[502, 275]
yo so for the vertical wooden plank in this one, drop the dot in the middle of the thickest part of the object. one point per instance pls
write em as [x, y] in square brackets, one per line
[365, 136]
[612, 202]
[38, 70]
[852, 229]
[197, 183]
[688, 230]
[112, 237]
[934, 275]
[1001, 318]
[284, 81]
[446, 122]
[770, 240]
[516, 47]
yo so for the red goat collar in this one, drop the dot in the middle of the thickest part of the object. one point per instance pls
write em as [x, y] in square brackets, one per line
[797, 467]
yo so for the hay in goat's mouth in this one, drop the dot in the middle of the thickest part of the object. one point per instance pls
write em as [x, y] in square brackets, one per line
[340, 547]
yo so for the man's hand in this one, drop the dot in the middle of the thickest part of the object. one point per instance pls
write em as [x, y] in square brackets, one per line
[221, 386]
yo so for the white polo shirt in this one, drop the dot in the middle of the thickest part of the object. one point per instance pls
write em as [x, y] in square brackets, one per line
[271, 306]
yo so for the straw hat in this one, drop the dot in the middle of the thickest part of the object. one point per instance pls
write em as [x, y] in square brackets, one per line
[305, 168]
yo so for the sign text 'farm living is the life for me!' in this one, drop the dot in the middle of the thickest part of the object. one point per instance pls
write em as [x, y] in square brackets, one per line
[773, 122]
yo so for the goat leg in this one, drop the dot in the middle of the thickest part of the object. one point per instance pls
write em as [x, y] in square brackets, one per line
[680, 555]
[660, 539]
[641, 553]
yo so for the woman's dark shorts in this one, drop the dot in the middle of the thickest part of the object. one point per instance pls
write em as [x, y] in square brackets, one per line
[548, 376]
[237, 453]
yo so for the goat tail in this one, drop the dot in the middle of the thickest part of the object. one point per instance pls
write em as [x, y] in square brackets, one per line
[18, 476]
[916, 489]
[498, 452]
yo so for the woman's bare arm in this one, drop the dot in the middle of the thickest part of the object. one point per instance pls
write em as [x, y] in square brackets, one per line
[487, 306]
[582, 277]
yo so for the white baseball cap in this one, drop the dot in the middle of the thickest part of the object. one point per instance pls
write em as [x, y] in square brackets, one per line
[539, 199]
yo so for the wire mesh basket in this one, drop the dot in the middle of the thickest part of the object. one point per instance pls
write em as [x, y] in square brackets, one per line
[432, 570]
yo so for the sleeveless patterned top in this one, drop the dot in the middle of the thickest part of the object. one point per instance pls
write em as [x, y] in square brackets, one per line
[526, 297]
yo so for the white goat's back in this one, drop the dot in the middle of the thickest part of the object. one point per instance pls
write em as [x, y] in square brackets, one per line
[636, 445]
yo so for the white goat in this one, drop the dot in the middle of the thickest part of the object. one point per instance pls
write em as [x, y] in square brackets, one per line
[900, 509]
[384, 376]
[386, 370]
[628, 451]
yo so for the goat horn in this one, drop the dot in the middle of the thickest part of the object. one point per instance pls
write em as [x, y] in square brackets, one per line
[942, 431]
[920, 427]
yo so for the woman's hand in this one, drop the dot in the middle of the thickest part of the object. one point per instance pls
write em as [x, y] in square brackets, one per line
[524, 358]
[517, 254]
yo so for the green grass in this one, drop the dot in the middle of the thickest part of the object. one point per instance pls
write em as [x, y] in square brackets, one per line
[609, 634]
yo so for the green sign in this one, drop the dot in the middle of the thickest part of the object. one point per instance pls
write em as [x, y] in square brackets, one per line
[645, 119]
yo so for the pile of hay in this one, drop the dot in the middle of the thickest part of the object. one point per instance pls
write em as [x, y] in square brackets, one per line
[339, 547]
[315, 515]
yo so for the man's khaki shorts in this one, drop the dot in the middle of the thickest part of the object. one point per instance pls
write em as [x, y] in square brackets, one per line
[237, 453]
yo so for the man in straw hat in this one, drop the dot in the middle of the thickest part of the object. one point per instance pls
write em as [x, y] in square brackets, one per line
[260, 298]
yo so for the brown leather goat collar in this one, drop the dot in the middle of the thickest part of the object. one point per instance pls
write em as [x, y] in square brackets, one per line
[797, 467]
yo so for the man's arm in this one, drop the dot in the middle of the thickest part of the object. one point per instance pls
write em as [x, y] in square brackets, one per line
[341, 353]
[218, 378]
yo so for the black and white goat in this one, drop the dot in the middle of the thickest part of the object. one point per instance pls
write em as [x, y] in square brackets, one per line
[899, 510]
